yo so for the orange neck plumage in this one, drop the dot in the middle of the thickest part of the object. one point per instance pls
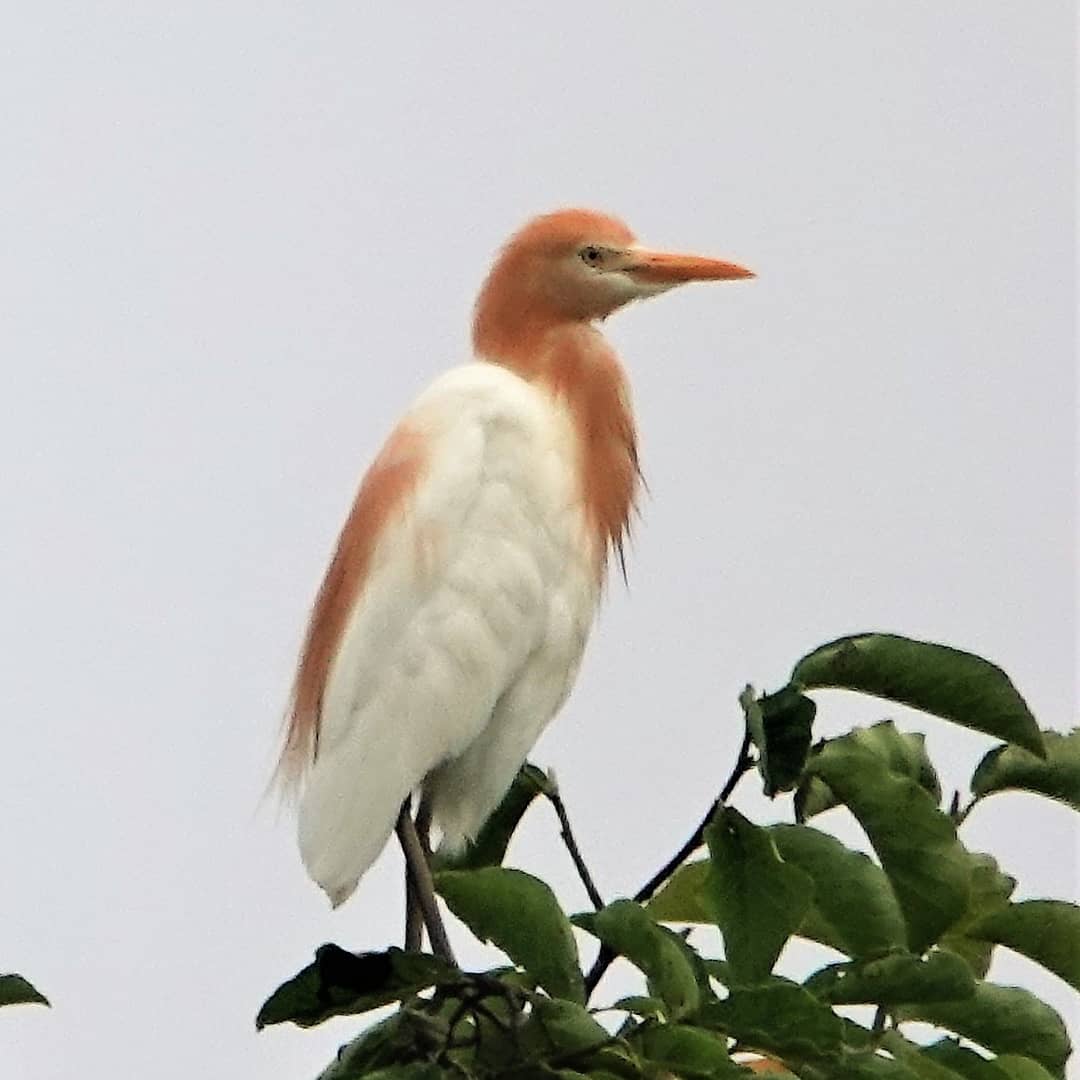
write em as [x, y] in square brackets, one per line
[574, 363]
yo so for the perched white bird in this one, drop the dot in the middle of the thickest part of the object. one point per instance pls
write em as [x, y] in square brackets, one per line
[452, 619]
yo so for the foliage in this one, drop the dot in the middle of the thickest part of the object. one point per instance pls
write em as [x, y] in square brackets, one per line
[15, 990]
[915, 927]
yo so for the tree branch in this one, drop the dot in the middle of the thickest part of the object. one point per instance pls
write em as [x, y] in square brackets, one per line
[551, 793]
[743, 764]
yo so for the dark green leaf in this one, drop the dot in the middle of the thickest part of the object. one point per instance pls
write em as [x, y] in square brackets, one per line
[778, 1018]
[862, 1066]
[914, 840]
[682, 899]
[415, 1070]
[1058, 777]
[945, 682]
[780, 725]
[903, 752]
[895, 979]
[758, 899]
[855, 909]
[1003, 1019]
[15, 990]
[489, 848]
[629, 930]
[520, 914]
[970, 1066]
[1047, 931]
[686, 1051]
[990, 891]
[341, 983]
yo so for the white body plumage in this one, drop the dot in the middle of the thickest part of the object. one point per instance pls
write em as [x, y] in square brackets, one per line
[469, 629]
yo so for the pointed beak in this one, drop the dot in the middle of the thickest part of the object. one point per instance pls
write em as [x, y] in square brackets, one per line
[666, 268]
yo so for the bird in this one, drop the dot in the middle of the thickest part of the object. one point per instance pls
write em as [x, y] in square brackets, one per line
[451, 622]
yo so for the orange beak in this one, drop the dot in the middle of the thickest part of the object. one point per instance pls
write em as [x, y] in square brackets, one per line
[665, 268]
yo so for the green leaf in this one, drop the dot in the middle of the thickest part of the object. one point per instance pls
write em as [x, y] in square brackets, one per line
[15, 990]
[392, 1044]
[629, 930]
[682, 899]
[415, 1070]
[686, 1051]
[489, 847]
[778, 1018]
[561, 1027]
[1009, 767]
[1046, 931]
[341, 983]
[758, 899]
[895, 979]
[854, 908]
[945, 682]
[903, 752]
[638, 1005]
[780, 725]
[915, 1058]
[914, 840]
[1004, 1020]
[990, 892]
[963, 1063]
[520, 915]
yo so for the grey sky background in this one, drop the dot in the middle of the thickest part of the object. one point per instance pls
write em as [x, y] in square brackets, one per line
[237, 239]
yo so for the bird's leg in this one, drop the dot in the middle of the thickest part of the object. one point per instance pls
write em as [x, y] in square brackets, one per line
[424, 886]
[414, 916]
[423, 826]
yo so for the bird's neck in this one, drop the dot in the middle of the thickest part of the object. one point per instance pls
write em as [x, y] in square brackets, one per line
[573, 363]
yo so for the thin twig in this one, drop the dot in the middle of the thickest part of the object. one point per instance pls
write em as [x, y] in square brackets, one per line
[417, 864]
[743, 764]
[567, 833]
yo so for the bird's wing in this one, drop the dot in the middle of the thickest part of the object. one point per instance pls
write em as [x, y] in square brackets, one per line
[434, 599]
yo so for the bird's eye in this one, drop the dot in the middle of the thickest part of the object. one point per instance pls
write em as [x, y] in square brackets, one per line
[591, 255]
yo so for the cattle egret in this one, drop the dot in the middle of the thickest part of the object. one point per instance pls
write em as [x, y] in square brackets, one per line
[451, 622]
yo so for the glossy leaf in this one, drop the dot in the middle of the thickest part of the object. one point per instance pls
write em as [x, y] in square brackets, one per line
[1058, 776]
[341, 983]
[489, 847]
[1046, 931]
[854, 908]
[895, 979]
[914, 840]
[519, 914]
[629, 930]
[759, 901]
[903, 752]
[1003, 1019]
[687, 1051]
[945, 682]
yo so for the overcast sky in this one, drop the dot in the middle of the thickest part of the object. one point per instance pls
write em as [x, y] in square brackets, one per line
[236, 239]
